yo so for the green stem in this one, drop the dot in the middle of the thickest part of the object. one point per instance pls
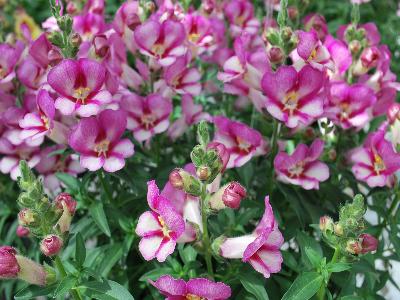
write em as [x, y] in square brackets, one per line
[60, 267]
[274, 151]
[206, 238]
[321, 293]
[105, 186]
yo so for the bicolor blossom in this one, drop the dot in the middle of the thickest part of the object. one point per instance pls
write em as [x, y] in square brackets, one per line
[302, 167]
[242, 141]
[349, 106]
[162, 41]
[294, 97]
[376, 161]
[98, 141]
[8, 60]
[159, 228]
[147, 116]
[240, 14]
[195, 288]
[79, 83]
[261, 248]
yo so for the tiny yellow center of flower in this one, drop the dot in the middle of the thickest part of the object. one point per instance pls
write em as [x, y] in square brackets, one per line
[193, 297]
[164, 226]
[148, 120]
[194, 37]
[2, 72]
[297, 169]
[158, 50]
[346, 111]
[379, 165]
[313, 55]
[46, 121]
[102, 148]
[81, 93]
[240, 20]
[243, 145]
[290, 101]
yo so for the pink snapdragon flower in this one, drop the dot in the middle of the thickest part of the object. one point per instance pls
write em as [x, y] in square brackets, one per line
[260, 248]
[310, 50]
[240, 14]
[8, 60]
[126, 19]
[340, 55]
[88, 25]
[147, 116]
[98, 140]
[294, 97]
[160, 228]
[162, 41]
[376, 161]
[195, 288]
[191, 114]
[242, 141]
[318, 23]
[302, 167]
[349, 106]
[199, 32]
[79, 84]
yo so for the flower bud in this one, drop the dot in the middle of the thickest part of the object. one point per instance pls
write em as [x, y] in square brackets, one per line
[9, 267]
[22, 231]
[332, 154]
[26, 217]
[368, 243]
[272, 36]
[353, 247]
[286, 33]
[100, 44]
[222, 153]
[51, 245]
[76, 40]
[338, 229]
[393, 113]
[54, 57]
[71, 8]
[325, 223]
[233, 194]
[369, 57]
[355, 46]
[275, 55]
[293, 12]
[175, 179]
[65, 200]
[203, 173]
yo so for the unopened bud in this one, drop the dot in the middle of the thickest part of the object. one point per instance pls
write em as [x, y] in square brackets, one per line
[353, 247]
[368, 243]
[338, 229]
[355, 46]
[233, 195]
[325, 223]
[203, 173]
[175, 179]
[293, 12]
[76, 40]
[22, 231]
[369, 57]
[222, 153]
[54, 57]
[287, 34]
[272, 36]
[71, 8]
[26, 217]
[9, 267]
[51, 245]
[275, 55]
[100, 44]
[65, 200]
[332, 154]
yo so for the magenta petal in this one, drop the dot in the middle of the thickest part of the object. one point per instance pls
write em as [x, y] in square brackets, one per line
[316, 149]
[306, 44]
[46, 104]
[152, 193]
[62, 77]
[93, 74]
[276, 85]
[208, 289]
[113, 163]
[310, 81]
[147, 34]
[113, 123]
[169, 286]
[83, 136]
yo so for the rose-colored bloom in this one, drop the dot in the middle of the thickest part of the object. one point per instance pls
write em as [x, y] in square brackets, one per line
[368, 243]
[9, 267]
[162, 41]
[181, 79]
[22, 231]
[222, 152]
[51, 245]
[79, 84]
[195, 288]
[8, 59]
[65, 200]
[260, 248]
[199, 32]
[175, 179]
[147, 116]
[376, 161]
[88, 25]
[160, 228]
[302, 167]
[318, 23]
[233, 195]
[191, 114]
[293, 97]
[98, 140]
[349, 106]
[240, 14]
[242, 141]
[339, 53]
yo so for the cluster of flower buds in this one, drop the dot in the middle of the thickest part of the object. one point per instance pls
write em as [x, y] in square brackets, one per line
[13, 265]
[229, 195]
[40, 217]
[347, 232]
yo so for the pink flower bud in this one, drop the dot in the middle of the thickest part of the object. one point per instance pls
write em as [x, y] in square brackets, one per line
[325, 223]
[368, 243]
[233, 194]
[65, 199]
[222, 152]
[26, 217]
[22, 231]
[71, 8]
[9, 267]
[175, 179]
[369, 57]
[76, 40]
[293, 12]
[393, 113]
[54, 57]
[275, 55]
[353, 247]
[100, 44]
[51, 245]
[203, 173]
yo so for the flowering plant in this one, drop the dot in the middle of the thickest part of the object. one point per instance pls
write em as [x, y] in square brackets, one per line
[207, 149]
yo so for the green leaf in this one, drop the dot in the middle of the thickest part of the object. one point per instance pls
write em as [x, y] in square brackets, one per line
[254, 285]
[65, 285]
[338, 267]
[188, 254]
[80, 249]
[314, 257]
[304, 287]
[351, 297]
[34, 291]
[106, 290]
[97, 212]
[71, 182]
[154, 274]
[111, 256]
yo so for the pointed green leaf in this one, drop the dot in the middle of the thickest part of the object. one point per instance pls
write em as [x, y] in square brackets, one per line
[304, 287]
[97, 212]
